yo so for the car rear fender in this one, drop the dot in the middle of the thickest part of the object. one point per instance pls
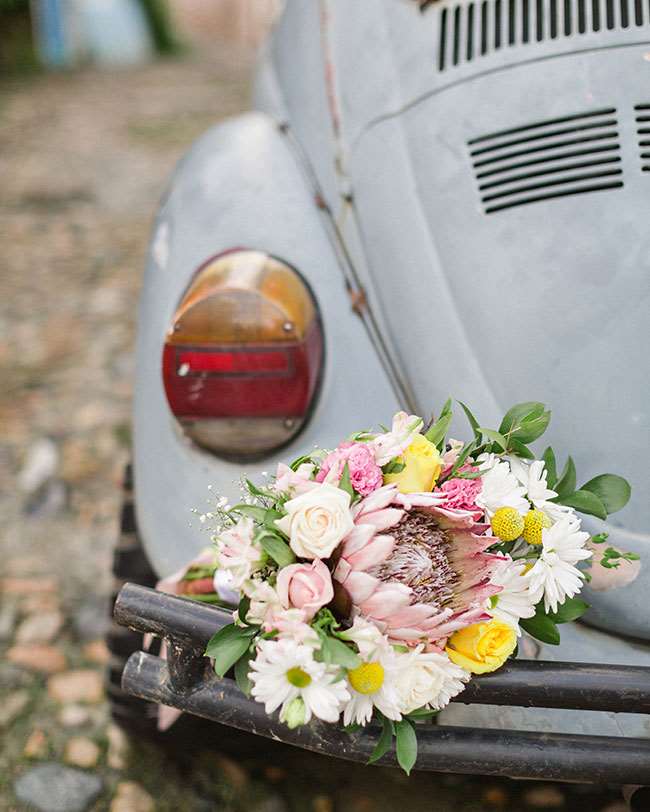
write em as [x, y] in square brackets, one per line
[239, 186]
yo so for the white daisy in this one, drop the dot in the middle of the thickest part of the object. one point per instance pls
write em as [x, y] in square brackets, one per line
[237, 553]
[284, 671]
[500, 487]
[554, 574]
[373, 683]
[533, 478]
[515, 600]
[427, 679]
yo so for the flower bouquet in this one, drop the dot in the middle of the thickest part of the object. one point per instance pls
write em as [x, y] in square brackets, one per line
[371, 581]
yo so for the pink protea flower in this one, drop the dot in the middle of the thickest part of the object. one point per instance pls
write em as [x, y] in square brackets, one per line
[426, 579]
[365, 475]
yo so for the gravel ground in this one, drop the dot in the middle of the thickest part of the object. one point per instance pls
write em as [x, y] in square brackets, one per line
[83, 160]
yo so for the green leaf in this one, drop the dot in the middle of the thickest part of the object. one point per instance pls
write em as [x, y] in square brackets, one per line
[338, 653]
[255, 512]
[438, 431]
[276, 547]
[421, 714]
[566, 484]
[345, 484]
[612, 490]
[270, 520]
[600, 538]
[242, 669]
[541, 627]
[570, 610]
[255, 491]
[472, 421]
[406, 745]
[299, 461]
[393, 467]
[519, 449]
[384, 742]
[525, 421]
[551, 467]
[244, 606]
[446, 409]
[228, 645]
[585, 502]
[466, 450]
[495, 437]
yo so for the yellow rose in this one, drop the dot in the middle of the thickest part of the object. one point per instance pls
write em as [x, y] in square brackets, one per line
[422, 466]
[482, 647]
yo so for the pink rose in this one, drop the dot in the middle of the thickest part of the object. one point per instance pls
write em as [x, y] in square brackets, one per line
[461, 493]
[305, 586]
[365, 475]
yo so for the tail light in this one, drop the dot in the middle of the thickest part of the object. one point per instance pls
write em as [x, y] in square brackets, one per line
[243, 357]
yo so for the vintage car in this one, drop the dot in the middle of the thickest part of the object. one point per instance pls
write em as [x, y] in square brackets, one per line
[419, 183]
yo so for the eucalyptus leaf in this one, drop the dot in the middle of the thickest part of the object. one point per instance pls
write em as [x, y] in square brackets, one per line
[406, 745]
[228, 645]
[551, 467]
[276, 547]
[520, 412]
[585, 502]
[541, 628]
[525, 421]
[519, 449]
[495, 437]
[566, 484]
[570, 610]
[612, 490]
[384, 742]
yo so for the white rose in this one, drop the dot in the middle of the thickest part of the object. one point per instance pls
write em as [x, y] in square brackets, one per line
[427, 679]
[317, 521]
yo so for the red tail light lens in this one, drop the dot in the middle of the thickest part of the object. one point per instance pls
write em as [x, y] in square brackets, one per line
[244, 353]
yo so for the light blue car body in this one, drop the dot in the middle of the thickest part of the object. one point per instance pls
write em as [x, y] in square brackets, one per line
[362, 169]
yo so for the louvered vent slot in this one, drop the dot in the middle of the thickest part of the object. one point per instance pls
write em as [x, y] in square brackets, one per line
[470, 30]
[643, 131]
[553, 158]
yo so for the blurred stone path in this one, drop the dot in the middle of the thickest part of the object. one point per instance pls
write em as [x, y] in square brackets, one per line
[83, 160]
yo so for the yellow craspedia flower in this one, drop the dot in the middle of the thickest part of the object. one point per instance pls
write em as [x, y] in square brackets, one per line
[367, 678]
[482, 647]
[507, 524]
[534, 522]
[422, 465]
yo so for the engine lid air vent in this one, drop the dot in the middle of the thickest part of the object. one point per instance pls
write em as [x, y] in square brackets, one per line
[643, 131]
[571, 155]
[468, 31]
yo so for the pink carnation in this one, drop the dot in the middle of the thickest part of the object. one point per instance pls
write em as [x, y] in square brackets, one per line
[461, 493]
[365, 475]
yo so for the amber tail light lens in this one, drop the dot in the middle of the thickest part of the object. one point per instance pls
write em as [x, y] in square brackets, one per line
[244, 354]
